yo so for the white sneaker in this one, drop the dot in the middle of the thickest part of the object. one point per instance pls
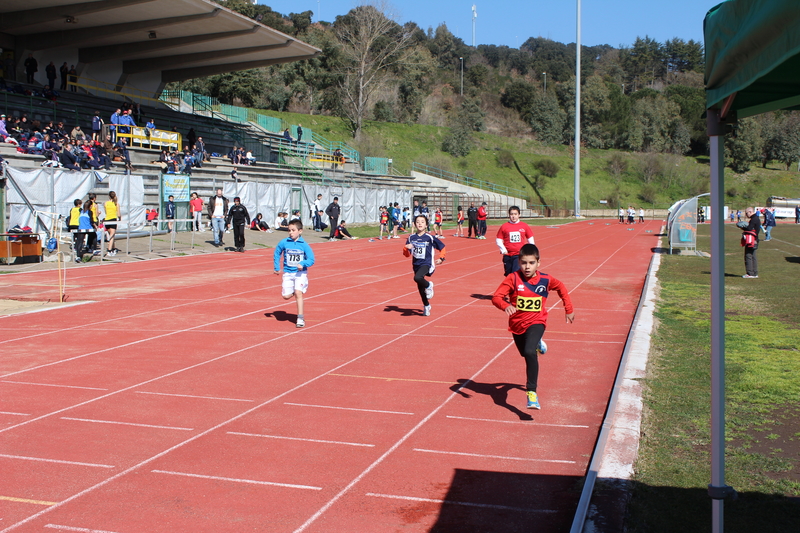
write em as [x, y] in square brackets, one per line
[542, 348]
[429, 290]
[426, 311]
[301, 323]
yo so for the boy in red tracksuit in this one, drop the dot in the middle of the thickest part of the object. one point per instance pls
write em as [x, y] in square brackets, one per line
[523, 297]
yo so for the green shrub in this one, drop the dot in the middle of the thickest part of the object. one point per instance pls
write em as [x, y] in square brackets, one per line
[505, 159]
[548, 167]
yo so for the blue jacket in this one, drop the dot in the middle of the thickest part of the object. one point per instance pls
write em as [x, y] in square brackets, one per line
[769, 219]
[297, 255]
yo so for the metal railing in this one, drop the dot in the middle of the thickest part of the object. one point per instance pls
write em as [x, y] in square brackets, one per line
[466, 180]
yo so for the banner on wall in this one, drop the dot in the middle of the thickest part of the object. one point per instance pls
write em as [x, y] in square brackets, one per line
[176, 185]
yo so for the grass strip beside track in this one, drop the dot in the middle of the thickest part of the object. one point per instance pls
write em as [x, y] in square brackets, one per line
[762, 394]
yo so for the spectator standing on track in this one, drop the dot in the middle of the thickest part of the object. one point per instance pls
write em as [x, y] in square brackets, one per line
[316, 214]
[769, 223]
[297, 257]
[217, 209]
[641, 215]
[631, 214]
[523, 297]
[169, 213]
[511, 237]
[420, 247]
[750, 242]
[415, 213]
[238, 218]
[460, 221]
[31, 68]
[438, 219]
[112, 217]
[797, 214]
[621, 215]
[333, 211]
[472, 216]
[395, 218]
[483, 214]
[87, 226]
[196, 207]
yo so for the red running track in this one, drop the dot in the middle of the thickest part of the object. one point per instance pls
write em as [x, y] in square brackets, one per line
[180, 396]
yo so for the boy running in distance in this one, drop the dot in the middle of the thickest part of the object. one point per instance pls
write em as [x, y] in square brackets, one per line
[437, 223]
[523, 297]
[510, 238]
[384, 224]
[297, 257]
[420, 247]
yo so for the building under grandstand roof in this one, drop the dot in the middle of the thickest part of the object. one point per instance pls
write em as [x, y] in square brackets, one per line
[138, 44]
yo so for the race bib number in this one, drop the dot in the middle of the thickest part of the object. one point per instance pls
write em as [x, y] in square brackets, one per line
[419, 252]
[293, 257]
[515, 237]
[525, 303]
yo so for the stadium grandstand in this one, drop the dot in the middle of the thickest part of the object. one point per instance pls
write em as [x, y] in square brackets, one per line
[118, 71]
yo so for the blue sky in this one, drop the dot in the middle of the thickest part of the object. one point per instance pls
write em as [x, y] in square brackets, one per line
[511, 22]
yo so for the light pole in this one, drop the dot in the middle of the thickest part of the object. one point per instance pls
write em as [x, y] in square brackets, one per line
[578, 115]
[462, 76]
[545, 81]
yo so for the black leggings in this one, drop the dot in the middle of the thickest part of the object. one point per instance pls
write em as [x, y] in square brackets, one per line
[422, 283]
[238, 235]
[527, 343]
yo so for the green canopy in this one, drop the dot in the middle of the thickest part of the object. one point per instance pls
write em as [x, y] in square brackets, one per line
[753, 50]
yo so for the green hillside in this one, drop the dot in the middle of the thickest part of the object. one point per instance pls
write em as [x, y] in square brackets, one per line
[615, 176]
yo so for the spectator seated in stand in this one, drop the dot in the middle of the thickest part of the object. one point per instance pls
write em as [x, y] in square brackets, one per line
[67, 158]
[249, 158]
[77, 134]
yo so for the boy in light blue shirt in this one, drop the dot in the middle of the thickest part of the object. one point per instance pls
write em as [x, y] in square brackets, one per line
[297, 257]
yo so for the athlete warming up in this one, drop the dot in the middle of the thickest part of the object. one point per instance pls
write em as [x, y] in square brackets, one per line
[523, 297]
[420, 247]
[297, 257]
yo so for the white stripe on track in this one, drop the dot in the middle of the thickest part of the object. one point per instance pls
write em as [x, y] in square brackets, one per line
[502, 457]
[467, 504]
[58, 461]
[124, 423]
[301, 439]
[235, 480]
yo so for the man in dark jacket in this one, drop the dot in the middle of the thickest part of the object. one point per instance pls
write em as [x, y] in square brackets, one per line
[238, 218]
[31, 68]
[333, 210]
[217, 210]
[68, 159]
[472, 217]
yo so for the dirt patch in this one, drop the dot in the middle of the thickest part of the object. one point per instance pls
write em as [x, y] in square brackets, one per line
[780, 440]
[15, 307]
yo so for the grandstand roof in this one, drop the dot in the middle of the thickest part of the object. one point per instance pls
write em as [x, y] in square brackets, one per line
[179, 39]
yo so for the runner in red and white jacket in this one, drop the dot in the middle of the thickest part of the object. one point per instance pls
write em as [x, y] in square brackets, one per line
[512, 236]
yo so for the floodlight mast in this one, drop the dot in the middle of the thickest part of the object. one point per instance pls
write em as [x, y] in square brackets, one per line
[578, 115]
[474, 16]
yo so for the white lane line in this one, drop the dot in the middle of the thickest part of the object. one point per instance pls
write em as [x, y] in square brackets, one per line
[234, 480]
[467, 504]
[42, 460]
[301, 439]
[193, 396]
[79, 529]
[400, 441]
[13, 414]
[235, 418]
[124, 423]
[527, 423]
[496, 456]
[347, 408]
[49, 385]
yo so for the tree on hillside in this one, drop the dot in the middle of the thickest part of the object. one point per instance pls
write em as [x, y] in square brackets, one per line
[547, 119]
[656, 126]
[371, 45]
[743, 146]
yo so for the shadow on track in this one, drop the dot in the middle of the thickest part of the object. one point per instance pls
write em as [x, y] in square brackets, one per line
[497, 391]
